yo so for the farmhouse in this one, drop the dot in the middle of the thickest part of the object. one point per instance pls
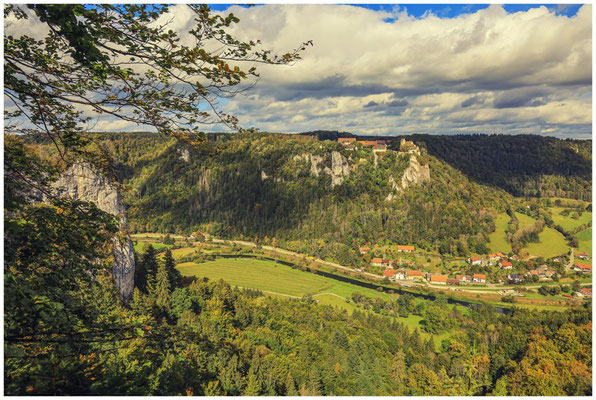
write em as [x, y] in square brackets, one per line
[479, 278]
[386, 263]
[544, 272]
[414, 275]
[493, 257]
[400, 274]
[475, 260]
[346, 141]
[583, 256]
[377, 262]
[379, 148]
[388, 273]
[364, 250]
[585, 268]
[463, 278]
[438, 279]
[506, 265]
[367, 143]
[405, 249]
[515, 278]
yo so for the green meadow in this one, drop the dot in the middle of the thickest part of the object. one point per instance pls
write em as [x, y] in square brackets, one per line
[585, 241]
[567, 222]
[498, 240]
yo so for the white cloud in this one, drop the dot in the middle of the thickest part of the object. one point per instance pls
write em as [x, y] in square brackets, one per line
[488, 71]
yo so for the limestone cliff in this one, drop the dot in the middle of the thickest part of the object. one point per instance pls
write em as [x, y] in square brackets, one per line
[414, 174]
[338, 169]
[81, 181]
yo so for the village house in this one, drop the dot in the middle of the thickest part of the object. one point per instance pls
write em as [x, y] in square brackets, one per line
[463, 278]
[479, 278]
[583, 256]
[532, 273]
[364, 250]
[400, 275]
[379, 148]
[346, 141]
[586, 292]
[367, 143]
[405, 249]
[493, 257]
[388, 273]
[198, 235]
[386, 263]
[438, 279]
[376, 262]
[506, 265]
[544, 272]
[475, 260]
[584, 268]
[453, 282]
[514, 258]
[515, 278]
[414, 275]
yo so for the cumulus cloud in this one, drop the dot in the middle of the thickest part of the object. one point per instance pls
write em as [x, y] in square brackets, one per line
[387, 72]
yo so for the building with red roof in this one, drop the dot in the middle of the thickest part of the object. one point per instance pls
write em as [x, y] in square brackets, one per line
[438, 279]
[405, 249]
[506, 265]
[414, 275]
[479, 278]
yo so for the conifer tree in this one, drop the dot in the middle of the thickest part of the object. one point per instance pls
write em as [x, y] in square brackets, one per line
[173, 273]
[162, 289]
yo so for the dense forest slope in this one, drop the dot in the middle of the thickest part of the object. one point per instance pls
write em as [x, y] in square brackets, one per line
[523, 165]
[316, 196]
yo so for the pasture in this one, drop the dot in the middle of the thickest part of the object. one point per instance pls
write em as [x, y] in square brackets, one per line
[498, 240]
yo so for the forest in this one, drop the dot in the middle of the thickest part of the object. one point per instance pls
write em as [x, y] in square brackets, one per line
[221, 189]
[198, 337]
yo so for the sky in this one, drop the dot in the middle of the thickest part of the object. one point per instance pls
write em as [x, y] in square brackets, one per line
[402, 69]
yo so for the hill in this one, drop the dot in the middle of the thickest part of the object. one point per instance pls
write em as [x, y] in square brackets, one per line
[316, 196]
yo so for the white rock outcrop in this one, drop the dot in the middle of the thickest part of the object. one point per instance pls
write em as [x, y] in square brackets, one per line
[413, 175]
[82, 181]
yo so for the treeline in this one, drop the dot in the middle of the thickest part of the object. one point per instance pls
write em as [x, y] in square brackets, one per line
[523, 165]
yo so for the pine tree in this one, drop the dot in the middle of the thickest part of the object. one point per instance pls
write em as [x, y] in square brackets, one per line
[173, 274]
[162, 289]
[146, 269]
[290, 386]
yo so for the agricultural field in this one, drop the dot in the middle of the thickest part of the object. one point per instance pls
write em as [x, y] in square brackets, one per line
[585, 241]
[567, 222]
[498, 240]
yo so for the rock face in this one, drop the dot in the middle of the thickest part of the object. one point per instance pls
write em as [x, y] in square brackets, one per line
[81, 181]
[338, 170]
[413, 175]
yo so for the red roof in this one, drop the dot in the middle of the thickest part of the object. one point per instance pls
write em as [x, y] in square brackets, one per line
[362, 249]
[584, 266]
[460, 277]
[506, 264]
[479, 276]
[377, 260]
[386, 262]
[585, 291]
[346, 140]
[388, 273]
[414, 273]
[475, 258]
[438, 278]
[368, 142]
[406, 248]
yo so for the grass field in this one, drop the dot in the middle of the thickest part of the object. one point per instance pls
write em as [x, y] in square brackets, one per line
[140, 246]
[568, 223]
[585, 241]
[498, 241]
[552, 243]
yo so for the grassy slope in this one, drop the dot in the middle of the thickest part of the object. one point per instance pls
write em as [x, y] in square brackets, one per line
[585, 241]
[569, 223]
[551, 244]
[140, 246]
[498, 241]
